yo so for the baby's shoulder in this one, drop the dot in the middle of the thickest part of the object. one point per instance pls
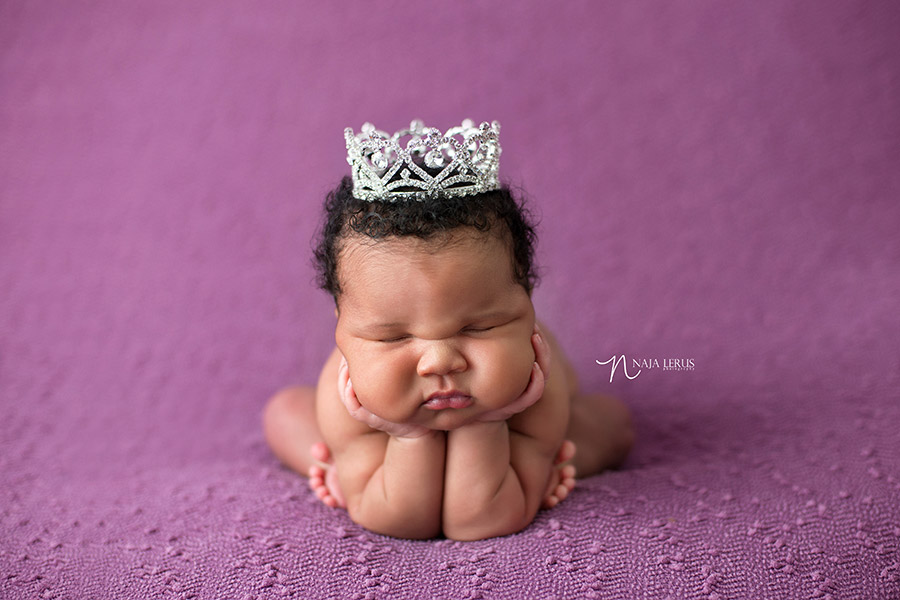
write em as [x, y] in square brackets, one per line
[336, 425]
[548, 418]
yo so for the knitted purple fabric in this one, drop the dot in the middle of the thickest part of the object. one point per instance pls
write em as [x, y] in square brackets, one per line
[716, 183]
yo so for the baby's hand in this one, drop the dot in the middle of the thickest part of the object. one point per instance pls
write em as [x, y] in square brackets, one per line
[360, 413]
[535, 388]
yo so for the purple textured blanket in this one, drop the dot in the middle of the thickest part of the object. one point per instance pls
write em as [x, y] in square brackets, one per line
[716, 184]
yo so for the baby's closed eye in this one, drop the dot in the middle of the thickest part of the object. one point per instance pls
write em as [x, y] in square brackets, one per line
[486, 325]
[474, 329]
[395, 339]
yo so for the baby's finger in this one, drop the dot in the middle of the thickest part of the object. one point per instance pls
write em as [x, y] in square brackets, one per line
[534, 391]
[348, 397]
[343, 373]
[542, 354]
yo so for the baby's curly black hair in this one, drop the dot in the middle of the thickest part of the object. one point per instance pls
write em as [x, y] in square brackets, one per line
[347, 216]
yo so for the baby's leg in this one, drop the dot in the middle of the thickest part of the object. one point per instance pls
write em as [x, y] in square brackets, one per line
[600, 426]
[562, 479]
[323, 478]
[289, 423]
[291, 429]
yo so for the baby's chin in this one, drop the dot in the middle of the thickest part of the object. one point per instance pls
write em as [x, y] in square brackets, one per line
[450, 419]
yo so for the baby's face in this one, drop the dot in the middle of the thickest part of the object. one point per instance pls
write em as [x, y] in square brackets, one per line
[434, 334]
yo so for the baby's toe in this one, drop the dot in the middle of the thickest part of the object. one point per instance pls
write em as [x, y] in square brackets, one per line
[320, 452]
[323, 494]
[566, 452]
[323, 482]
[334, 487]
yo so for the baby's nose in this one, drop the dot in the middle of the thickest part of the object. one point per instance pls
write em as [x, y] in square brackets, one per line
[440, 358]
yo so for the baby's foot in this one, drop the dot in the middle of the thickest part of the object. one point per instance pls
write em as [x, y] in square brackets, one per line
[562, 480]
[323, 477]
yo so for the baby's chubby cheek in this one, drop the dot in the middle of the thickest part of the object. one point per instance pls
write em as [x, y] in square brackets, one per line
[504, 373]
[380, 389]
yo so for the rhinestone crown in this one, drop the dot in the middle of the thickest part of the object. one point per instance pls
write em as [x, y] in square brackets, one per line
[420, 162]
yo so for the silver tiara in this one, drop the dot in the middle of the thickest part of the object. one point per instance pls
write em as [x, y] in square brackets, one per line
[420, 162]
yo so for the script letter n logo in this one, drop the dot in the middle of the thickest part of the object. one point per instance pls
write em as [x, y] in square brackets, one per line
[615, 365]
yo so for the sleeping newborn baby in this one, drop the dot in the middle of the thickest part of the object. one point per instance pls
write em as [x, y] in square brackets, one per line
[445, 408]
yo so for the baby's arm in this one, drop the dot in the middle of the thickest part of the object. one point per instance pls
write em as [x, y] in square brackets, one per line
[375, 469]
[497, 472]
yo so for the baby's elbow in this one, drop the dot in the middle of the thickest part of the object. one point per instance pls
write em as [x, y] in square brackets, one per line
[478, 523]
[474, 531]
[398, 524]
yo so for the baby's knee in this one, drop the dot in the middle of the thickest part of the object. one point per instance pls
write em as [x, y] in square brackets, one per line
[282, 407]
[279, 403]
